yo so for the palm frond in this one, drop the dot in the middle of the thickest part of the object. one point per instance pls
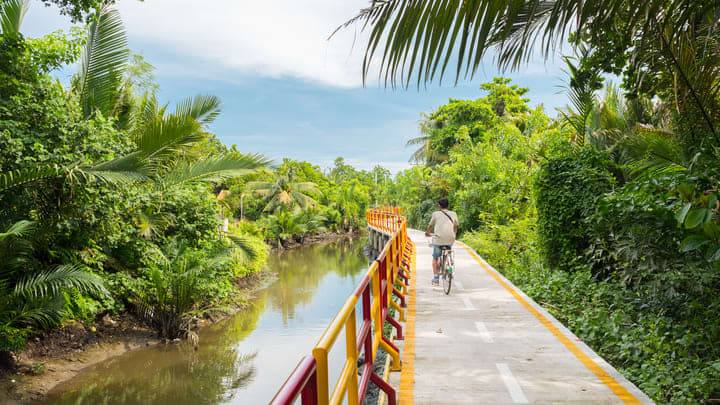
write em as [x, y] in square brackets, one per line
[245, 246]
[48, 283]
[652, 151]
[16, 178]
[20, 229]
[259, 186]
[420, 37]
[307, 187]
[213, 169]
[15, 247]
[103, 63]
[167, 138]
[43, 313]
[417, 39]
[203, 108]
[12, 13]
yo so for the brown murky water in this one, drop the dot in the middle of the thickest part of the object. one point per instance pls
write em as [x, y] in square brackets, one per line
[244, 359]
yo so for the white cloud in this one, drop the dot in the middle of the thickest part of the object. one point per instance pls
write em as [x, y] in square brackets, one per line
[271, 38]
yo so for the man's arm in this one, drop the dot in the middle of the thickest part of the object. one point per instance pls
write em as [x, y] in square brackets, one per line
[430, 225]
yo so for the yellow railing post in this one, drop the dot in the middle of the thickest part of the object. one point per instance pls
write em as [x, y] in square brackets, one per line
[351, 350]
[321, 362]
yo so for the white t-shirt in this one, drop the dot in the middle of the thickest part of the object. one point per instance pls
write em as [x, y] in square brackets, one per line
[443, 227]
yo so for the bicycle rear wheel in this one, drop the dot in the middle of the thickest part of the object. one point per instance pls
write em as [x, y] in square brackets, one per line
[447, 276]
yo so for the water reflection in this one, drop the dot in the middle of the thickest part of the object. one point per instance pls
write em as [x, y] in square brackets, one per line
[244, 359]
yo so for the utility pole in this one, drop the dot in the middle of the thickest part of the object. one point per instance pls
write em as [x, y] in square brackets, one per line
[241, 206]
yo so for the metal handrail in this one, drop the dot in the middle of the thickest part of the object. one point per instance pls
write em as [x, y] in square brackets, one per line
[375, 291]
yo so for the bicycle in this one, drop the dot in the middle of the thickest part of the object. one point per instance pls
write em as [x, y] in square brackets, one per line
[446, 262]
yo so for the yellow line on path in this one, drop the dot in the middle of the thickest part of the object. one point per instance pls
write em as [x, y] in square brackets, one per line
[407, 376]
[606, 378]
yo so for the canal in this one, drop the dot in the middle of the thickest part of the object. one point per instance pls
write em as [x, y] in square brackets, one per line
[243, 359]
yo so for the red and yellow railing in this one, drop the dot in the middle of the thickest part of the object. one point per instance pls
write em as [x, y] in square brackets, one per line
[310, 380]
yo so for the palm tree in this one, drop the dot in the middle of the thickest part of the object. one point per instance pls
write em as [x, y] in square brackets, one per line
[425, 153]
[581, 88]
[284, 192]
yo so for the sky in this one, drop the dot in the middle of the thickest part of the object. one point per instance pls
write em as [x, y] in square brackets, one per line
[287, 90]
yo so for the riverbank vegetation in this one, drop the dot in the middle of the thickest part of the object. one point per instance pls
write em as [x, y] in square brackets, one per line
[112, 200]
[607, 215]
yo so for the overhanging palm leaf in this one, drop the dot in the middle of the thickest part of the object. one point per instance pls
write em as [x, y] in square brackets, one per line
[211, 169]
[103, 63]
[12, 13]
[419, 38]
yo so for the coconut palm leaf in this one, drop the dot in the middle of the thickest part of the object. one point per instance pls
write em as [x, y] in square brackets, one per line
[653, 151]
[44, 312]
[202, 108]
[213, 169]
[245, 246]
[50, 283]
[416, 38]
[163, 140]
[103, 63]
[307, 187]
[12, 13]
[20, 229]
[20, 177]
[15, 246]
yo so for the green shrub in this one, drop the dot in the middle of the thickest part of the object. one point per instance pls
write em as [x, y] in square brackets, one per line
[566, 191]
[501, 244]
[673, 360]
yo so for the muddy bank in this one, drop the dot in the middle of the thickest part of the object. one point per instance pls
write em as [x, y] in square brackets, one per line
[55, 356]
[320, 238]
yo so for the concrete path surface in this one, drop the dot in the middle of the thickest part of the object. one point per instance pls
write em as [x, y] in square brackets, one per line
[488, 343]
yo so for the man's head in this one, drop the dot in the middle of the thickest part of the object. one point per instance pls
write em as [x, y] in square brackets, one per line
[443, 203]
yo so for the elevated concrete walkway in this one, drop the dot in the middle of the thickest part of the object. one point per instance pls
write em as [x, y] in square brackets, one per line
[488, 343]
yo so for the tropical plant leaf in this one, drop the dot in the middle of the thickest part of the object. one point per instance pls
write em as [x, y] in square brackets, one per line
[16, 178]
[49, 283]
[696, 217]
[12, 13]
[202, 108]
[103, 63]
[245, 246]
[693, 242]
[213, 169]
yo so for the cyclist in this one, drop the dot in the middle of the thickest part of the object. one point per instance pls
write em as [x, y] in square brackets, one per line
[445, 224]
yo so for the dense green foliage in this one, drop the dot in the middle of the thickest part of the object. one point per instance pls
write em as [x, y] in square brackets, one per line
[611, 234]
[91, 196]
[566, 191]
[111, 201]
[627, 207]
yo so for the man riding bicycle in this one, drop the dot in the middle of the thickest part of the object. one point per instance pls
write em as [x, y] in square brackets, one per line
[445, 224]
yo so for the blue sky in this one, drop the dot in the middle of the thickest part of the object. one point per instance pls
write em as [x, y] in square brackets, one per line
[286, 90]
